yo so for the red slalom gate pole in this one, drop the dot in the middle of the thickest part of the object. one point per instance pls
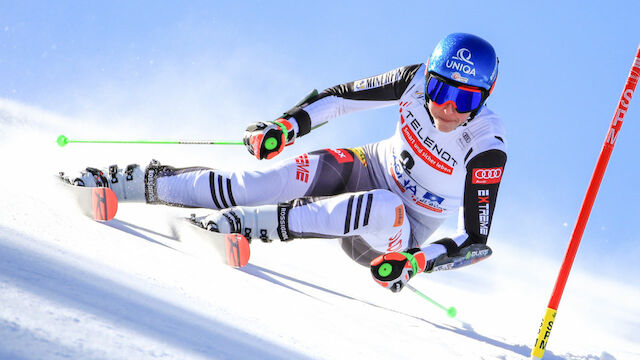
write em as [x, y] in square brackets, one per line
[587, 204]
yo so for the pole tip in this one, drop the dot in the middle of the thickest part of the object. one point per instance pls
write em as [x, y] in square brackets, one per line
[62, 140]
[452, 312]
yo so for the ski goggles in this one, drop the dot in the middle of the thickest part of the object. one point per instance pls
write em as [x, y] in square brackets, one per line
[464, 98]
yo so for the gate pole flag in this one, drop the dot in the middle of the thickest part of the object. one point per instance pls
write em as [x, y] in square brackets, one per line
[610, 140]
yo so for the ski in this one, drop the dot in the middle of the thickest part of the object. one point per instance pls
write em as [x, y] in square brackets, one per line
[234, 249]
[467, 256]
[97, 203]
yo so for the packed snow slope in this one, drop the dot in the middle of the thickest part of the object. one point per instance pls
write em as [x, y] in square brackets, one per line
[139, 287]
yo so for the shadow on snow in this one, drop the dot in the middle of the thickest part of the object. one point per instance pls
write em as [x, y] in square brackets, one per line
[466, 329]
[66, 284]
[137, 230]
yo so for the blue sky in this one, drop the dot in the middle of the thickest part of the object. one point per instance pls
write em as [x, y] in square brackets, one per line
[190, 68]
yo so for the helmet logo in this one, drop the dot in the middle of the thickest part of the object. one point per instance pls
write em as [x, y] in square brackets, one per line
[464, 63]
[459, 78]
[465, 58]
[464, 55]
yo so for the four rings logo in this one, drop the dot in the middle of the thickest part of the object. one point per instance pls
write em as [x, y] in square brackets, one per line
[487, 176]
[464, 55]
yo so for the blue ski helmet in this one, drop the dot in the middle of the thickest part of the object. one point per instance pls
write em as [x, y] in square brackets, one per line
[466, 59]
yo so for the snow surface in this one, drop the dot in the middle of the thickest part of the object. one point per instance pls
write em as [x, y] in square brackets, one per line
[139, 288]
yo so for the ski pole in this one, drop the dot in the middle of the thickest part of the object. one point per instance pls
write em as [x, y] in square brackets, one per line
[610, 140]
[451, 311]
[63, 141]
[269, 143]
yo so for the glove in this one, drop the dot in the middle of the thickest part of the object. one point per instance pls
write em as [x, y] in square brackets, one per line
[393, 270]
[265, 140]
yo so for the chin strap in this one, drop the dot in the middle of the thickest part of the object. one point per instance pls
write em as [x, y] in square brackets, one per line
[474, 113]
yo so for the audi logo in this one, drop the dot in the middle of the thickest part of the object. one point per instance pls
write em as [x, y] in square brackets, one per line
[485, 174]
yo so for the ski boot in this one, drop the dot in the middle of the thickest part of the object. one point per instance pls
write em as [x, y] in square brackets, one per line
[267, 222]
[466, 256]
[128, 184]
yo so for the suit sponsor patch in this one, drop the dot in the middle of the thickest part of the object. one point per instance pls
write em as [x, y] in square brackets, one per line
[399, 216]
[395, 242]
[359, 153]
[302, 168]
[376, 81]
[341, 155]
[486, 175]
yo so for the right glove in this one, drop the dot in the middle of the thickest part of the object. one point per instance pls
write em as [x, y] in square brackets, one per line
[264, 140]
[393, 270]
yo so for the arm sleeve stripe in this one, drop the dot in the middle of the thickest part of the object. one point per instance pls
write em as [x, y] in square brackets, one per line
[376, 88]
[468, 154]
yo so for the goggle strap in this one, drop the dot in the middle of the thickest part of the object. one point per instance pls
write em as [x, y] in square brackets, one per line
[468, 88]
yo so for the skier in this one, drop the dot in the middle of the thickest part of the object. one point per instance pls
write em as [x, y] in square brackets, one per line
[382, 200]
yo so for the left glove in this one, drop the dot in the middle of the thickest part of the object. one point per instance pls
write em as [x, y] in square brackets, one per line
[393, 270]
[264, 140]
